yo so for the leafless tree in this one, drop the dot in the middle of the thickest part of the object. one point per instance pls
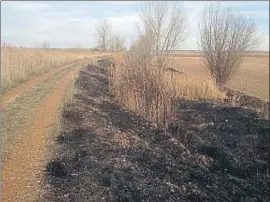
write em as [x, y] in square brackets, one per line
[45, 45]
[78, 46]
[117, 42]
[103, 34]
[166, 23]
[225, 39]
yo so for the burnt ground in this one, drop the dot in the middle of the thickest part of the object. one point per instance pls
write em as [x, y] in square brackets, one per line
[107, 153]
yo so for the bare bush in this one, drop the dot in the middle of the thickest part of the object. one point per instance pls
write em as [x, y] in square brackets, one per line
[225, 39]
[166, 23]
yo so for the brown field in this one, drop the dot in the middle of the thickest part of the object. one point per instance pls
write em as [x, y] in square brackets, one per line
[252, 77]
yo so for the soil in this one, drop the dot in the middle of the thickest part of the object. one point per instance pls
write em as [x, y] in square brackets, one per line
[212, 152]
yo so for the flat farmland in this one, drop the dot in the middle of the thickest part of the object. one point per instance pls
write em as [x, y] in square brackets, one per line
[252, 76]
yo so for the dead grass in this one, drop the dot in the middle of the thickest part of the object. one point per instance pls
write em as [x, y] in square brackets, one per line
[152, 92]
[20, 64]
[252, 77]
[66, 101]
[70, 91]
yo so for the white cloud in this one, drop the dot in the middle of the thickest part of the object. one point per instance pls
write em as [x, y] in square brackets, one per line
[125, 26]
[74, 25]
[192, 11]
[26, 5]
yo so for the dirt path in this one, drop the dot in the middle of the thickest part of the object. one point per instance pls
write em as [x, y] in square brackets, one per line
[21, 177]
[19, 171]
[9, 96]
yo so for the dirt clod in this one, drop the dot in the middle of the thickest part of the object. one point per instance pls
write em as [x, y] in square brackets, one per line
[56, 169]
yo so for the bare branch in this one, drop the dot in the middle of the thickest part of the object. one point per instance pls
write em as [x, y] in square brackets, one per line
[103, 34]
[165, 22]
[117, 42]
[225, 39]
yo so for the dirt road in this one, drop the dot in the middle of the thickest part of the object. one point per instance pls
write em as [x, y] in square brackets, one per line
[27, 113]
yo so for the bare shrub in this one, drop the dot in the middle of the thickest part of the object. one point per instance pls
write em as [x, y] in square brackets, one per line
[142, 90]
[165, 22]
[225, 39]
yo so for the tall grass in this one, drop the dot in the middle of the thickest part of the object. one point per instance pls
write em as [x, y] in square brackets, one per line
[138, 84]
[20, 64]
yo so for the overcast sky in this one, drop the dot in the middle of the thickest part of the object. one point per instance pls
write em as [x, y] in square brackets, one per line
[66, 24]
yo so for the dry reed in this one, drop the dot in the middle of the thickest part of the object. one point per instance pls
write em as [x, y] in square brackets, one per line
[153, 92]
[20, 64]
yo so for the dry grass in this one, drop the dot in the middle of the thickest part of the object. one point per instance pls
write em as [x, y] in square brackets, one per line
[70, 90]
[20, 64]
[152, 92]
[252, 77]
[66, 101]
